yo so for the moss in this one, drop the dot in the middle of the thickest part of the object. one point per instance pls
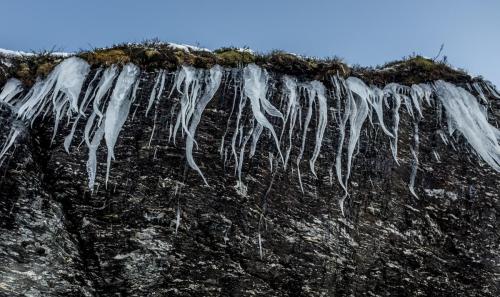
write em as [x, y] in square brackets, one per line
[44, 69]
[106, 57]
[412, 70]
[23, 71]
[151, 56]
[231, 57]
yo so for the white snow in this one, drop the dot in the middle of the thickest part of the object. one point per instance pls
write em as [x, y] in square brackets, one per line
[187, 48]
[11, 53]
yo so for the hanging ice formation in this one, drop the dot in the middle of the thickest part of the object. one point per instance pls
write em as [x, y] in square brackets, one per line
[256, 112]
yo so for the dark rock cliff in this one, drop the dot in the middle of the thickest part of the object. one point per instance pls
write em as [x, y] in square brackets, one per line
[157, 230]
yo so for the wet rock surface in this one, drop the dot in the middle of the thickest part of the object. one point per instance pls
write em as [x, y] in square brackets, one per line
[157, 230]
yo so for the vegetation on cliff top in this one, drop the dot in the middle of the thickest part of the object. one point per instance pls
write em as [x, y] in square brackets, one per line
[154, 55]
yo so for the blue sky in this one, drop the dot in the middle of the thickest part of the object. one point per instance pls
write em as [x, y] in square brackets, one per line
[362, 32]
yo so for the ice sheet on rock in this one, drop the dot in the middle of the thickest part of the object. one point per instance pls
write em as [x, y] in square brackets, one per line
[465, 112]
[11, 88]
[118, 109]
[211, 86]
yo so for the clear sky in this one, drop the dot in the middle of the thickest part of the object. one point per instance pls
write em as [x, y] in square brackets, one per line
[365, 32]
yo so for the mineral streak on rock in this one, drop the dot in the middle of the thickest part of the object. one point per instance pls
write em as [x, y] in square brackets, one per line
[201, 202]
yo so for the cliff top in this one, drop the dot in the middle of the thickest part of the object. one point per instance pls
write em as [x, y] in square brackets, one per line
[155, 55]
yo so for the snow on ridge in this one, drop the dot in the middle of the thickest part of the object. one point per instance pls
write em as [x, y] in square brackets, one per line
[187, 48]
[17, 54]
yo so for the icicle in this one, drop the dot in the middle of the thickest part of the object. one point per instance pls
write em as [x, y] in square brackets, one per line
[83, 106]
[290, 91]
[427, 93]
[67, 78]
[92, 161]
[243, 100]
[118, 109]
[479, 90]
[255, 138]
[255, 88]
[416, 94]
[318, 90]
[464, 110]
[188, 77]
[414, 153]
[260, 245]
[304, 136]
[236, 86]
[177, 218]
[105, 84]
[392, 90]
[212, 85]
[156, 92]
[342, 127]
[491, 89]
[11, 88]
[359, 94]
[11, 139]
[376, 101]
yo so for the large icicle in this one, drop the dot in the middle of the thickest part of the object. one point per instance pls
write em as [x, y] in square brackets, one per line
[11, 88]
[83, 106]
[105, 84]
[359, 96]
[67, 78]
[468, 118]
[376, 100]
[188, 84]
[212, 85]
[318, 90]
[118, 109]
[293, 107]
[255, 88]
[392, 91]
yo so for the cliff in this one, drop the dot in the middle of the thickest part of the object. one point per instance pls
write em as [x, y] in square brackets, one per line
[161, 170]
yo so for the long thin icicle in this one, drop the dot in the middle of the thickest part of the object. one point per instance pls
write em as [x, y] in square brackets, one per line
[255, 88]
[11, 88]
[212, 85]
[118, 109]
[318, 90]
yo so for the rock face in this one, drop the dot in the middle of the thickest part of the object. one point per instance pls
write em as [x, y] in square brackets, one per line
[156, 229]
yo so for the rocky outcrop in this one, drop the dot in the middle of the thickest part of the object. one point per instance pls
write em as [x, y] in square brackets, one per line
[156, 229]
